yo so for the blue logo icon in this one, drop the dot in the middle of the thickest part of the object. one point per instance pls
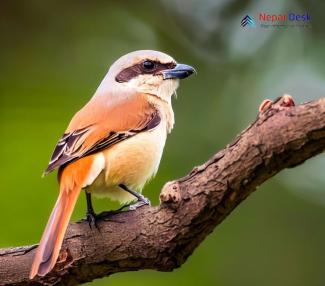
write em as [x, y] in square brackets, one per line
[247, 21]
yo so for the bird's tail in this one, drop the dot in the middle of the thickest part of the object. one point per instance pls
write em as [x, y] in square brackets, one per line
[50, 244]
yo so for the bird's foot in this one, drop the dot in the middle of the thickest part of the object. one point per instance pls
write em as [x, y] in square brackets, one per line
[285, 100]
[142, 201]
[91, 217]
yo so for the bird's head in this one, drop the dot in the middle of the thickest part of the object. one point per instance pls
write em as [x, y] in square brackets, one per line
[147, 71]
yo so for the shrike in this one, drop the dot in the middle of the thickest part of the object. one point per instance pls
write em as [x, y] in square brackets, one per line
[114, 144]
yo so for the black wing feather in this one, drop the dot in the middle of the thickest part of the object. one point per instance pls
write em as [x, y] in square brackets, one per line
[65, 151]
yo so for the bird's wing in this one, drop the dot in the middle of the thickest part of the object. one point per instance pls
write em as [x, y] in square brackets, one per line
[101, 124]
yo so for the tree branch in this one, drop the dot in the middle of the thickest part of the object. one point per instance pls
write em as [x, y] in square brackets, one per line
[163, 237]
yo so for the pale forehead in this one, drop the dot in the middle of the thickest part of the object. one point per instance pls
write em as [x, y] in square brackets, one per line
[133, 58]
[150, 55]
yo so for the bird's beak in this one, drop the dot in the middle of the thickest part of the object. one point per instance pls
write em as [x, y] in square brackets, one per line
[180, 71]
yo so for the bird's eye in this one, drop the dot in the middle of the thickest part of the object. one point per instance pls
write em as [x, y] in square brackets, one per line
[148, 65]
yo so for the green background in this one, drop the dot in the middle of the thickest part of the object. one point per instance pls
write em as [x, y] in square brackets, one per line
[55, 53]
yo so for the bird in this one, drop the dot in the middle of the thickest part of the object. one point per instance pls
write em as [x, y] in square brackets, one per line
[114, 144]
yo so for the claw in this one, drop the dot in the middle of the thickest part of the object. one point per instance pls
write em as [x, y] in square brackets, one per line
[141, 202]
[141, 199]
[91, 218]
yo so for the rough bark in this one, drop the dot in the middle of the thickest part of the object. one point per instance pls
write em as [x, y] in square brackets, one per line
[163, 237]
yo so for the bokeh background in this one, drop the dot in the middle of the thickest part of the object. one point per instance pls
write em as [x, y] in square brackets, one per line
[53, 55]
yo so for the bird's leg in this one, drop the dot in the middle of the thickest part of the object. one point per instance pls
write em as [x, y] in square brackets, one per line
[90, 215]
[141, 199]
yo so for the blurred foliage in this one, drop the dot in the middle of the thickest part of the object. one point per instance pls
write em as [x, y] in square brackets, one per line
[53, 56]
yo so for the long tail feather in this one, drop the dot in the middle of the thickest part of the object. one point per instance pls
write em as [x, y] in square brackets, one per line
[50, 244]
